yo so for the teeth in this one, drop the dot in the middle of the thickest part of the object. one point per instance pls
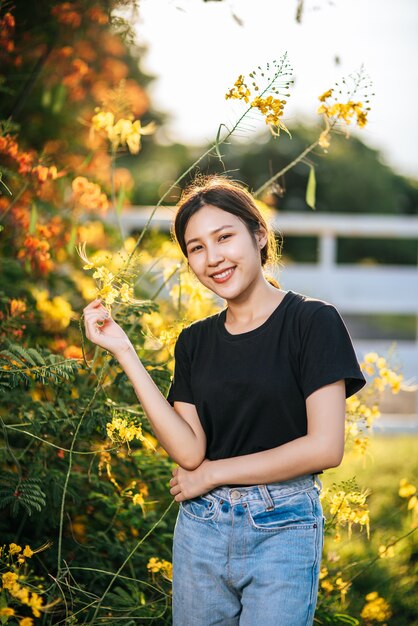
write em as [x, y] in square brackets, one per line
[223, 274]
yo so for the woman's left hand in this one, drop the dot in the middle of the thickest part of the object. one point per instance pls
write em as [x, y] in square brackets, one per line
[187, 484]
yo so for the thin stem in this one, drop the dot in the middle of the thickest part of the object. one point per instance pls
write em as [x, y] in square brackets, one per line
[285, 169]
[67, 478]
[130, 555]
[113, 192]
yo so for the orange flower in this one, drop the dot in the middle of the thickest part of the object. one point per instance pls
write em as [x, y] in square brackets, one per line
[66, 15]
[88, 195]
[7, 27]
[73, 352]
[44, 173]
[95, 14]
[17, 307]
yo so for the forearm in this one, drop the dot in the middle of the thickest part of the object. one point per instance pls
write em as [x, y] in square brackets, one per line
[174, 434]
[303, 455]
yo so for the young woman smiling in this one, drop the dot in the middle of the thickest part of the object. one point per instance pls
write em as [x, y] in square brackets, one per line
[254, 413]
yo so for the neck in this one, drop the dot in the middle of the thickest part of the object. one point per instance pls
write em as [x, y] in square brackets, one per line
[253, 304]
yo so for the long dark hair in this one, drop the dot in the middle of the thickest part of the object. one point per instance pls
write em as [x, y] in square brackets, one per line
[232, 197]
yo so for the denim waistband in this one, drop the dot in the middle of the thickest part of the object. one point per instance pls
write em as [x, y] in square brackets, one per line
[266, 491]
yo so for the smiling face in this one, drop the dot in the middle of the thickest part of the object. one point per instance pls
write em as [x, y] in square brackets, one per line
[222, 252]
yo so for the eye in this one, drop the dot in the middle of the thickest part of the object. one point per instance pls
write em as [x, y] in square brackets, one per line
[227, 235]
[195, 248]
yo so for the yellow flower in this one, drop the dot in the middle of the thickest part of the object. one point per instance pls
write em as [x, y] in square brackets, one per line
[376, 609]
[120, 430]
[325, 95]
[9, 579]
[386, 552]
[26, 621]
[324, 141]
[123, 132]
[406, 489]
[371, 357]
[156, 565]
[239, 91]
[7, 612]
[103, 120]
[14, 548]
[36, 603]
[27, 551]
[138, 499]
[56, 314]
[327, 586]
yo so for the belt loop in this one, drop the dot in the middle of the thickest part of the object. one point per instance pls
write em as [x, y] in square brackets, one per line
[318, 482]
[267, 499]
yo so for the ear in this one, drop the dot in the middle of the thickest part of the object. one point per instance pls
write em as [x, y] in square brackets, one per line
[262, 237]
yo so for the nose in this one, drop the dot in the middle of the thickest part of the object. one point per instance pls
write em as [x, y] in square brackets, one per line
[215, 255]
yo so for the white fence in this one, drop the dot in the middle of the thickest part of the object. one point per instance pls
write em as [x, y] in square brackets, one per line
[353, 289]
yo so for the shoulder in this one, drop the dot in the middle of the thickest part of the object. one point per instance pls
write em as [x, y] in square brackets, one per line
[308, 311]
[307, 306]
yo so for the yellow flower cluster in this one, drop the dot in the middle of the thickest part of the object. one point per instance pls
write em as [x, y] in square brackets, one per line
[338, 585]
[56, 314]
[23, 594]
[15, 549]
[407, 490]
[139, 498]
[374, 364]
[348, 508]
[191, 297]
[239, 91]
[270, 107]
[119, 430]
[111, 287]
[156, 565]
[122, 132]
[343, 111]
[376, 609]
[359, 419]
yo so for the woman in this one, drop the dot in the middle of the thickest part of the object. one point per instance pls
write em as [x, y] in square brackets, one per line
[254, 413]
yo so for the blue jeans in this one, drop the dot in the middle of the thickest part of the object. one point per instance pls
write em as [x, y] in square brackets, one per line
[249, 555]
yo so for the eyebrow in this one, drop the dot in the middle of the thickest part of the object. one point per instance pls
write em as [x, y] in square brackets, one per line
[216, 230]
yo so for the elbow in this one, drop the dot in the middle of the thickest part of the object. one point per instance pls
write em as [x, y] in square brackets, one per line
[191, 463]
[192, 460]
[332, 455]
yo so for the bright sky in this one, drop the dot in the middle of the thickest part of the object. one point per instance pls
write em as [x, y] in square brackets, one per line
[197, 50]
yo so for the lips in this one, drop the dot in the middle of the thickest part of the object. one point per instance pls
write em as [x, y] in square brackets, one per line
[221, 277]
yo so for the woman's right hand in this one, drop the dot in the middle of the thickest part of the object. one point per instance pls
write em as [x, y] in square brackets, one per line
[109, 335]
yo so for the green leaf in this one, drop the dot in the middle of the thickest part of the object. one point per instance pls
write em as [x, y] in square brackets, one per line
[120, 200]
[33, 218]
[311, 188]
[71, 242]
[4, 184]
[59, 98]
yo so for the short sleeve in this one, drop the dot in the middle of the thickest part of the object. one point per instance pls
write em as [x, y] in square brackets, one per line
[180, 388]
[327, 353]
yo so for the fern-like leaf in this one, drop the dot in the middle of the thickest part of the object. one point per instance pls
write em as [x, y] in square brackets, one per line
[18, 365]
[17, 493]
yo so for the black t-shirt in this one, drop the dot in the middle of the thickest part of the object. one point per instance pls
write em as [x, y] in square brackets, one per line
[249, 389]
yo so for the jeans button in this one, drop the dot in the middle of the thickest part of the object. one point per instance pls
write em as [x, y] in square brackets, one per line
[235, 494]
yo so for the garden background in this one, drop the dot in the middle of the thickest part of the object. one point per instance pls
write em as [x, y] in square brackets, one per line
[86, 517]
